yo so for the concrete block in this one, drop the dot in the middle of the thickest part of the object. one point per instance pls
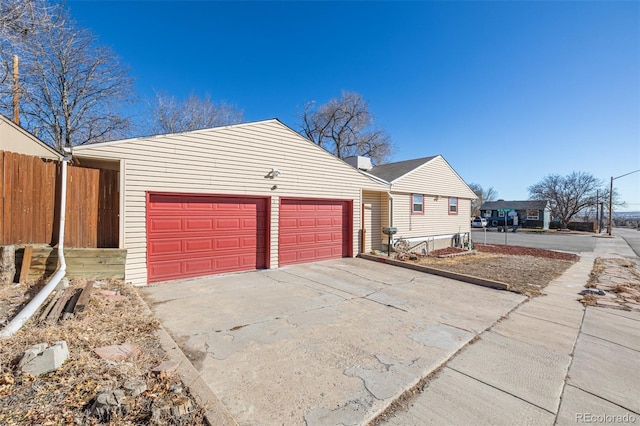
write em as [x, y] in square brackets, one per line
[64, 283]
[40, 359]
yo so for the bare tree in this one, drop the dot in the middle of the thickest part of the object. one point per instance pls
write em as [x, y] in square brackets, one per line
[344, 126]
[483, 195]
[571, 194]
[170, 115]
[20, 21]
[73, 90]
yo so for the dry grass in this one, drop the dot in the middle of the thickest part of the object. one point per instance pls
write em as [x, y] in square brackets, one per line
[589, 300]
[525, 274]
[64, 396]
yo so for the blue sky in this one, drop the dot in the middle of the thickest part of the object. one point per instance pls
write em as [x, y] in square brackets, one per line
[507, 91]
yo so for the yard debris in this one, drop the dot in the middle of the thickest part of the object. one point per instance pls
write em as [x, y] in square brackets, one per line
[40, 358]
[117, 352]
[451, 252]
[112, 295]
[86, 389]
[7, 264]
[592, 291]
[109, 403]
[166, 368]
[613, 283]
[83, 300]
[135, 386]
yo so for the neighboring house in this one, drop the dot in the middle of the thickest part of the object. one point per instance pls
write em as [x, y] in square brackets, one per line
[14, 138]
[234, 198]
[527, 214]
[426, 200]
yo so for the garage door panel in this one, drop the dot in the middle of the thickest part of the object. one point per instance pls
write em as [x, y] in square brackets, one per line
[198, 245]
[165, 224]
[196, 235]
[196, 266]
[168, 269]
[198, 224]
[313, 230]
[164, 246]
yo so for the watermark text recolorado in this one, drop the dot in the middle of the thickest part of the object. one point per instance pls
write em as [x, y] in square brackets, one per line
[605, 418]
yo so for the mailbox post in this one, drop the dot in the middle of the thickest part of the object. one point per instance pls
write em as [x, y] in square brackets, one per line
[389, 231]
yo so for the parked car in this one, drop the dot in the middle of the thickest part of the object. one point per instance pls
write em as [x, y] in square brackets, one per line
[479, 222]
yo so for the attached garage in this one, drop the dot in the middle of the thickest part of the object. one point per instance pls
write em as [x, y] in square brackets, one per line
[232, 198]
[312, 230]
[196, 235]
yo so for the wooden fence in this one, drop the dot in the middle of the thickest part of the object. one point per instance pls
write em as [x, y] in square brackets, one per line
[30, 196]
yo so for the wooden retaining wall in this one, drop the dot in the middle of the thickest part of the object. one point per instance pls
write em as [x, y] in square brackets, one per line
[81, 262]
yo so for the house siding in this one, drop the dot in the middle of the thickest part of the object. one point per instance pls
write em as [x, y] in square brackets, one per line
[437, 181]
[15, 139]
[232, 160]
[436, 219]
[436, 177]
[376, 217]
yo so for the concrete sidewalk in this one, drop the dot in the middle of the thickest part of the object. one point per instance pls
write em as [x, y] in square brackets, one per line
[551, 361]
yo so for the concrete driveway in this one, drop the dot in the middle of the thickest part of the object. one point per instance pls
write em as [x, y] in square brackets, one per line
[332, 342]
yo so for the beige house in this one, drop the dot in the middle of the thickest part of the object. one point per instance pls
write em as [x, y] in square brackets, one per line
[14, 138]
[242, 197]
[427, 201]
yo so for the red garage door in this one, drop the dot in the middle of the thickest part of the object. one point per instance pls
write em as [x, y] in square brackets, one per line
[197, 235]
[313, 230]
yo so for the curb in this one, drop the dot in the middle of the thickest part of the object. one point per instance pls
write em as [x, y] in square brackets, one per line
[434, 271]
[215, 413]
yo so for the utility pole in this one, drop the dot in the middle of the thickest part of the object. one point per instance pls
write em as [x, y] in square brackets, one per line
[16, 92]
[611, 206]
[597, 218]
[611, 197]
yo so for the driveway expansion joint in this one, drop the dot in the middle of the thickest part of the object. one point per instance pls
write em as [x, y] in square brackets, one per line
[610, 341]
[604, 399]
[501, 390]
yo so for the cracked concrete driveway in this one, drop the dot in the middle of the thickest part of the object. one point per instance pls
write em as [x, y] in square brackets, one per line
[332, 342]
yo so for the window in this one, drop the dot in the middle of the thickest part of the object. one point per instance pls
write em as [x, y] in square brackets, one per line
[533, 214]
[417, 204]
[500, 213]
[453, 205]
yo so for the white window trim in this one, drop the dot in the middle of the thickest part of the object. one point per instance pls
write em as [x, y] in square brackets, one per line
[455, 204]
[536, 217]
[414, 204]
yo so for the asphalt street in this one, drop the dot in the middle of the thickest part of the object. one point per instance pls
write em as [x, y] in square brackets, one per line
[631, 236]
[575, 243]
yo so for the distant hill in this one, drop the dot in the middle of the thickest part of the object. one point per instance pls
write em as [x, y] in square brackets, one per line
[626, 215]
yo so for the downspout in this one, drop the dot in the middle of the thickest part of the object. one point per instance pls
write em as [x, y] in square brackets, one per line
[390, 205]
[390, 210]
[33, 306]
